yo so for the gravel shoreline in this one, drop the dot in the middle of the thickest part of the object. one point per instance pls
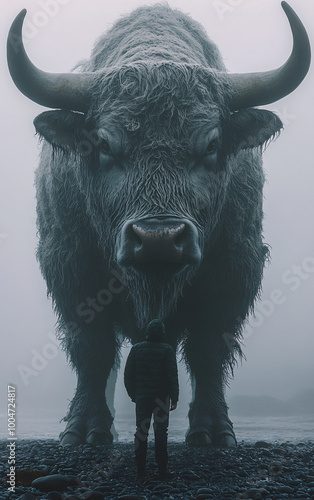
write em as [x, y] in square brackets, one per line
[257, 471]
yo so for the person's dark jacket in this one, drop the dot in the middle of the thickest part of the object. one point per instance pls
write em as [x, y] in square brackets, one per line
[151, 371]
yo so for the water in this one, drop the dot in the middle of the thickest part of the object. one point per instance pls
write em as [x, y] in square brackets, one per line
[247, 429]
[294, 429]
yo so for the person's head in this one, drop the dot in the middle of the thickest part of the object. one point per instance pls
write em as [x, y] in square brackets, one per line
[156, 331]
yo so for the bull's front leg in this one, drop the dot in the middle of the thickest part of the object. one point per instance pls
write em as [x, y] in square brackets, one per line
[89, 419]
[208, 414]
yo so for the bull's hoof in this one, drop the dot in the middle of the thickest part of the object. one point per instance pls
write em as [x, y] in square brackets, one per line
[71, 437]
[88, 422]
[226, 439]
[74, 433]
[97, 436]
[198, 437]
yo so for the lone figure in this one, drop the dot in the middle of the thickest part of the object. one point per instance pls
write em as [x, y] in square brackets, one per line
[151, 381]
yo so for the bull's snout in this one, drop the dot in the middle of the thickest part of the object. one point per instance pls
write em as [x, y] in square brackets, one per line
[163, 240]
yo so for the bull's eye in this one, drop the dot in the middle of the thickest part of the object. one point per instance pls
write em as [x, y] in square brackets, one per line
[106, 158]
[212, 147]
[209, 157]
[105, 148]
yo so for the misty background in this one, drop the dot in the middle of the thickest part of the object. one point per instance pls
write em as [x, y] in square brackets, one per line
[253, 35]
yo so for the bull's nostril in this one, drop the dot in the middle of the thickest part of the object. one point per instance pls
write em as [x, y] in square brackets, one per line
[137, 236]
[180, 237]
[179, 244]
[178, 231]
[141, 233]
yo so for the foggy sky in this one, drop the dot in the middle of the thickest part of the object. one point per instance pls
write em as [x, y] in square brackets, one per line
[253, 35]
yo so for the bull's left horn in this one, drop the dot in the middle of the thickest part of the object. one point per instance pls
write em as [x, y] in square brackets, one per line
[54, 90]
[257, 89]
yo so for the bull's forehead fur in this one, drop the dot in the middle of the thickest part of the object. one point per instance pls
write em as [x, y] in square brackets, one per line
[154, 33]
[151, 100]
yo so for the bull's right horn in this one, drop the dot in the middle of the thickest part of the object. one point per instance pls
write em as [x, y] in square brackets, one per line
[54, 90]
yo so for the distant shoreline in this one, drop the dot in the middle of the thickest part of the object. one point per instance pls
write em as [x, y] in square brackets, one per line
[302, 404]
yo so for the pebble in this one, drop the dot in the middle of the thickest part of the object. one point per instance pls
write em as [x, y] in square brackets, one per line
[285, 489]
[27, 496]
[242, 473]
[93, 495]
[262, 444]
[279, 451]
[47, 461]
[56, 482]
[162, 487]
[131, 497]
[266, 453]
[103, 489]
[255, 493]
[275, 467]
[182, 486]
[53, 495]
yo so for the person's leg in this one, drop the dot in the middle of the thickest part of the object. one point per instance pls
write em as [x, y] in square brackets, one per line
[143, 417]
[161, 422]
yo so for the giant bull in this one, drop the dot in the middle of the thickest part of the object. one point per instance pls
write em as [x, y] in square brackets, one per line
[149, 194]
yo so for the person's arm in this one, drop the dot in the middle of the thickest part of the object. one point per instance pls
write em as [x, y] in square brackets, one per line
[172, 375]
[130, 375]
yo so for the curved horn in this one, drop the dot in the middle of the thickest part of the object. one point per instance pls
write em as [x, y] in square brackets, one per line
[257, 89]
[54, 90]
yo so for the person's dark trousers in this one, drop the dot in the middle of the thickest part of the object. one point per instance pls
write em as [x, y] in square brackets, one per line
[145, 408]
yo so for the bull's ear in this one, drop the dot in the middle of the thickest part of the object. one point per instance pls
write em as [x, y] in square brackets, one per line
[251, 128]
[63, 129]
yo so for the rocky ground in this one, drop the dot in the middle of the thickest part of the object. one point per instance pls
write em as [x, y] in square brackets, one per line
[250, 471]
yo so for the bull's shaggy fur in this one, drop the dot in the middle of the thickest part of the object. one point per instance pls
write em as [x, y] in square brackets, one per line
[162, 85]
[156, 33]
